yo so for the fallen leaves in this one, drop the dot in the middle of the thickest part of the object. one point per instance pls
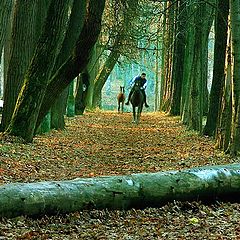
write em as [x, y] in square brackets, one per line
[107, 143]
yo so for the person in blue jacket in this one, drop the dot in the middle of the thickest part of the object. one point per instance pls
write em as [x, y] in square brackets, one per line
[143, 80]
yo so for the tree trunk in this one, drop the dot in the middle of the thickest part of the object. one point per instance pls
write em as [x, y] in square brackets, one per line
[120, 192]
[224, 124]
[103, 75]
[81, 93]
[168, 42]
[235, 26]
[188, 59]
[74, 28]
[71, 101]
[24, 119]
[178, 58]
[79, 58]
[6, 7]
[58, 110]
[221, 27]
[203, 22]
[22, 45]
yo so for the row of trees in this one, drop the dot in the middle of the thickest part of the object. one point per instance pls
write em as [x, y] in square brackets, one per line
[60, 41]
[55, 44]
[184, 68]
[46, 45]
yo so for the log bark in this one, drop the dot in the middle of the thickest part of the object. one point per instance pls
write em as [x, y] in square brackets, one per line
[120, 192]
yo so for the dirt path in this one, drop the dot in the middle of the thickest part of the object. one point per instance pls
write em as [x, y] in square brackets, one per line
[107, 143]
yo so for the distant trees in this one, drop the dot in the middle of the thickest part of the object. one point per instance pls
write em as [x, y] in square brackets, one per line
[125, 26]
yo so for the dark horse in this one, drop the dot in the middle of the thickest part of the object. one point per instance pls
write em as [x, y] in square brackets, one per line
[121, 99]
[137, 100]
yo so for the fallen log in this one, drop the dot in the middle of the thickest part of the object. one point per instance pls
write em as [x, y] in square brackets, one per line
[120, 192]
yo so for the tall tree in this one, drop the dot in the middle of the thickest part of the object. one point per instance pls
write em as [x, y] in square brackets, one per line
[104, 73]
[178, 57]
[79, 58]
[76, 21]
[221, 27]
[22, 44]
[27, 108]
[167, 58]
[224, 125]
[6, 7]
[235, 26]
[203, 17]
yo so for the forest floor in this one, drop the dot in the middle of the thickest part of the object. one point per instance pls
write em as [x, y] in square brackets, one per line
[107, 143]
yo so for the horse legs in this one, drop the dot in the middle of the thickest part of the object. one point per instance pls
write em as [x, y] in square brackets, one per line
[139, 113]
[134, 115]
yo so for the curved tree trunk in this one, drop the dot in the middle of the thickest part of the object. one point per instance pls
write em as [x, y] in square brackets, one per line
[78, 60]
[103, 75]
[74, 28]
[120, 192]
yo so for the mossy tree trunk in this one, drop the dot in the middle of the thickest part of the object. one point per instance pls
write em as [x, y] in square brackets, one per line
[22, 45]
[58, 111]
[121, 192]
[188, 58]
[23, 122]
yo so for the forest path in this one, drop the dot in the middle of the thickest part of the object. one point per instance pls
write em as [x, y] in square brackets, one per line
[108, 143]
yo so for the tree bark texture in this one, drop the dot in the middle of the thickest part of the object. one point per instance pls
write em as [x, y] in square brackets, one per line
[22, 45]
[221, 27]
[168, 42]
[224, 124]
[74, 28]
[235, 27]
[120, 192]
[78, 60]
[6, 7]
[203, 18]
[178, 58]
[30, 98]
